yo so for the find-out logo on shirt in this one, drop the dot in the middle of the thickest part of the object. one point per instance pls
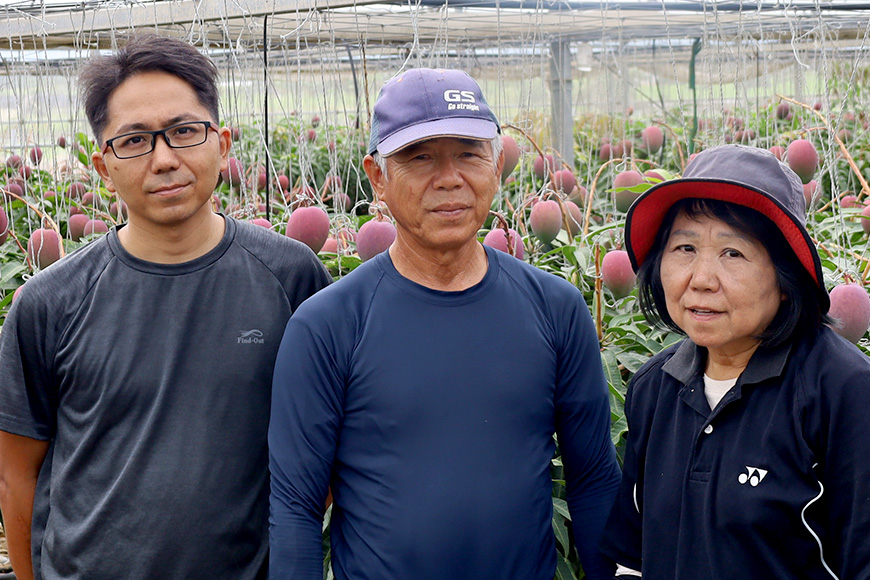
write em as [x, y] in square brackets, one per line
[753, 476]
[250, 337]
[460, 100]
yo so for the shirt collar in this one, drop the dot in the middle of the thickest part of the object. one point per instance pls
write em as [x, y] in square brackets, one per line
[766, 362]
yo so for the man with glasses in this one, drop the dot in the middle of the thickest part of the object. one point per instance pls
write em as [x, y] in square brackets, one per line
[180, 136]
[135, 373]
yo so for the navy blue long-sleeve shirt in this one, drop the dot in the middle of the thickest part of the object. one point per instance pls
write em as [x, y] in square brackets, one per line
[431, 415]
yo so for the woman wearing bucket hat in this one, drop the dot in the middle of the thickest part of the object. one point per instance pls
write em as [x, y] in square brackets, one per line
[747, 453]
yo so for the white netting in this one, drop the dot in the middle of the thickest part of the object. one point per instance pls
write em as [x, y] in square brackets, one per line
[300, 67]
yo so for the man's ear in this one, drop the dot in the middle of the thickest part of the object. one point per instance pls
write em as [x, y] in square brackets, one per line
[225, 138]
[100, 165]
[376, 178]
[374, 173]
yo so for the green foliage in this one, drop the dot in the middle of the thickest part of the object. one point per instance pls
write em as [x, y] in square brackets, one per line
[86, 148]
[627, 340]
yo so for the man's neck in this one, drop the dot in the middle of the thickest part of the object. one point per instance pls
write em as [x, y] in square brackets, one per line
[446, 271]
[173, 244]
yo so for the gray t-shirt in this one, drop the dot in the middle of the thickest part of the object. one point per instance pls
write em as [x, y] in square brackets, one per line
[153, 383]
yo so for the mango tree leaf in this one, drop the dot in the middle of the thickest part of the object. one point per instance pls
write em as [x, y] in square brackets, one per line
[561, 532]
[618, 428]
[631, 360]
[8, 272]
[563, 569]
[611, 370]
[85, 149]
[560, 506]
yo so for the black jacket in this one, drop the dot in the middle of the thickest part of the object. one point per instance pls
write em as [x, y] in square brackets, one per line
[773, 484]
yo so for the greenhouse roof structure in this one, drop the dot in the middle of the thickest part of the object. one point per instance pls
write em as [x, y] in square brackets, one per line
[31, 24]
[591, 55]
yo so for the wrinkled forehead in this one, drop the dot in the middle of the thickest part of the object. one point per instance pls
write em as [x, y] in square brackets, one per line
[693, 225]
[446, 141]
[736, 217]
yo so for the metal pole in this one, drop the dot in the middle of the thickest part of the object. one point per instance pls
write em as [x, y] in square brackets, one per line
[562, 121]
[266, 114]
[355, 85]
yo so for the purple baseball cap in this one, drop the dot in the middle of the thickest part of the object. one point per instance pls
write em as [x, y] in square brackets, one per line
[425, 103]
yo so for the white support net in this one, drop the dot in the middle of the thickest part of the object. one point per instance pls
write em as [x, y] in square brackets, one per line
[310, 73]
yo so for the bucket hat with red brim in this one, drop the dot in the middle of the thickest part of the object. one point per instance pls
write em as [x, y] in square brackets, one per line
[738, 174]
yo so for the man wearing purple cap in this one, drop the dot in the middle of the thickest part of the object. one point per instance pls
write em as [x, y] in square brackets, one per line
[425, 388]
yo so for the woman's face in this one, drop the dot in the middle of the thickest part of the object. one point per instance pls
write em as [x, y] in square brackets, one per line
[719, 284]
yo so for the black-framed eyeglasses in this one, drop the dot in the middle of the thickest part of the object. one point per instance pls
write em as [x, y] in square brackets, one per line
[141, 143]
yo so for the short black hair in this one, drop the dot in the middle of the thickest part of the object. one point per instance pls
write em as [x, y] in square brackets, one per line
[802, 307]
[146, 53]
